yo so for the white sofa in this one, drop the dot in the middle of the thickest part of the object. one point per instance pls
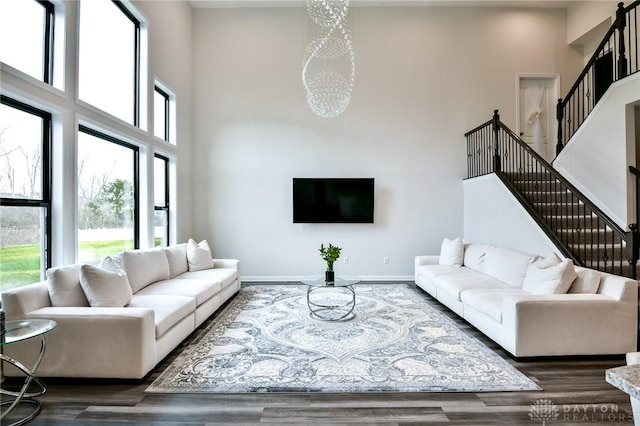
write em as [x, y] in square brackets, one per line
[106, 330]
[533, 306]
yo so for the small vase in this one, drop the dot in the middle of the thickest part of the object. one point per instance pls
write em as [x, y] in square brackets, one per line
[329, 277]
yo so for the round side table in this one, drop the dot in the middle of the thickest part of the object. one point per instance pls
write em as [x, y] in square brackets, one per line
[17, 331]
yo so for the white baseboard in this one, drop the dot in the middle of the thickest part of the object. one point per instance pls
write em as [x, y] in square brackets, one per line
[296, 279]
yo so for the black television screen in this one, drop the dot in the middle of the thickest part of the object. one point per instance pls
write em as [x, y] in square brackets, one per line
[333, 200]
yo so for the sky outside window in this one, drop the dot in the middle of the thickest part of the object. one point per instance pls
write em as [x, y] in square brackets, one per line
[107, 58]
[22, 36]
[159, 115]
[20, 154]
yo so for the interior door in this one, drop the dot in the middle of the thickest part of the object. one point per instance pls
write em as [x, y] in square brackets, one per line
[537, 124]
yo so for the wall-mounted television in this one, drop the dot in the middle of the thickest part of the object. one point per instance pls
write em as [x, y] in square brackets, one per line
[333, 200]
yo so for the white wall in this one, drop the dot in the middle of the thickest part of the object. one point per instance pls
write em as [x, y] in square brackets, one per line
[584, 16]
[425, 76]
[503, 221]
[597, 157]
[170, 61]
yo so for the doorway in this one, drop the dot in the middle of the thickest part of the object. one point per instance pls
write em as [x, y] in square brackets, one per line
[537, 125]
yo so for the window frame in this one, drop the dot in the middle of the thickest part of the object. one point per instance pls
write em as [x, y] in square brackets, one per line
[48, 42]
[166, 207]
[136, 175]
[136, 60]
[167, 114]
[47, 178]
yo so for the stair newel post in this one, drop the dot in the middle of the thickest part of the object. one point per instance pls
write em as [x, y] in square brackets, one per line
[497, 166]
[621, 23]
[633, 249]
[560, 118]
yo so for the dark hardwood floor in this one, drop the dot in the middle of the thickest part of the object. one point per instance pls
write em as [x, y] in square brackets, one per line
[576, 387]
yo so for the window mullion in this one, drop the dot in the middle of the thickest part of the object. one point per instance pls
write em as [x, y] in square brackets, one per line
[136, 199]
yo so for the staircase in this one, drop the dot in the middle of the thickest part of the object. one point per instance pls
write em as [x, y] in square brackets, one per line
[588, 241]
[578, 228]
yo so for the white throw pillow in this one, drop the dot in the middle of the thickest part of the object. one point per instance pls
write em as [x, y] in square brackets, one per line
[550, 275]
[64, 286]
[177, 258]
[199, 255]
[144, 267]
[105, 286]
[474, 255]
[588, 282]
[451, 252]
[507, 265]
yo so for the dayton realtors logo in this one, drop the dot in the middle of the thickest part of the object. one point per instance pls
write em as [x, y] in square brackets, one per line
[544, 410]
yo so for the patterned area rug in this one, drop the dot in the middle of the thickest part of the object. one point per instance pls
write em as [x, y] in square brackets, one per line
[266, 341]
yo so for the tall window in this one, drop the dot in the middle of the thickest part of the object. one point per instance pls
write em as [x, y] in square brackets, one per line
[161, 114]
[109, 74]
[25, 193]
[26, 34]
[107, 195]
[161, 200]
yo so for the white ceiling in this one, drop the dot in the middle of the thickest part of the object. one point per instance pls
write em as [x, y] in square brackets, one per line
[355, 3]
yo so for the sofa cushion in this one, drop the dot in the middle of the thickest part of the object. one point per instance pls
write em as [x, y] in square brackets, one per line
[489, 301]
[144, 267]
[455, 284]
[201, 290]
[177, 258]
[509, 266]
[168, 310]
[64, 286]
[587, 282]
[550, 275]
[451, 252]
[432, 271]
[224, 276]
[199, 255]
[474, 256]
[105, 286]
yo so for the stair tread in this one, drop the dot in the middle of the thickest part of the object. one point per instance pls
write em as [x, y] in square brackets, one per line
[589, 230]
[597, 246]
[579, 203]
[569, 216]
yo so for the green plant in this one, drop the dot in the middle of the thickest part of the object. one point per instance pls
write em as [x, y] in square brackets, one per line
[329, 254]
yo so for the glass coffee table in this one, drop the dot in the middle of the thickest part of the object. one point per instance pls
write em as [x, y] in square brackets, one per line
[18, 331]
[331, 301]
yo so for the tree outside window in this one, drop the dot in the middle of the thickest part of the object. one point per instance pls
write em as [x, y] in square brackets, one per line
[25, 193]
[107, 200]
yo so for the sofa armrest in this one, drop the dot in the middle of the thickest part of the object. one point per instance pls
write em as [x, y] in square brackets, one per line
[621, 288]
[92, 342]
[557, 324]
[421, 261]
[16, 302]
[226, 263]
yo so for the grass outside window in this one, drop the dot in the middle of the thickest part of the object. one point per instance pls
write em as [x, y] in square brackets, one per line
[20, 264]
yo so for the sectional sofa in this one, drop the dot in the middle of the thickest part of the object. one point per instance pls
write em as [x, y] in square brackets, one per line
[118, 317]
[531, 305]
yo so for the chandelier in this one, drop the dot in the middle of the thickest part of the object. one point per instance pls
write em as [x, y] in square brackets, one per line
[328, 70]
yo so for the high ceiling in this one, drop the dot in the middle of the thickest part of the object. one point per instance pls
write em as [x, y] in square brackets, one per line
[355, 3]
